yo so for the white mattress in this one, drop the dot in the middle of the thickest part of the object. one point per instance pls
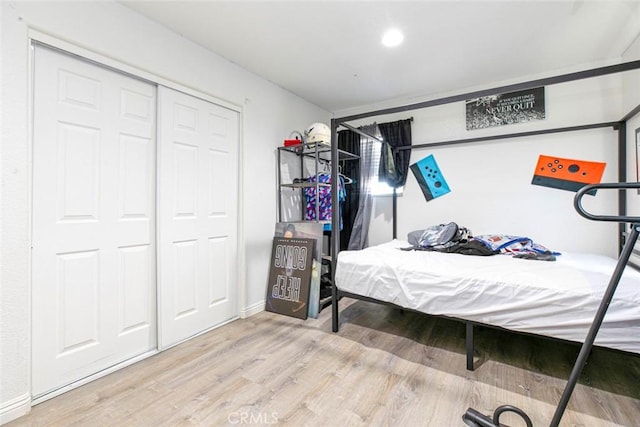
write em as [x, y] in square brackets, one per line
[557, 299]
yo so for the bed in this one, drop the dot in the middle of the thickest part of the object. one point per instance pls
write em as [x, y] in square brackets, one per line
[581, 307]
[555, 299]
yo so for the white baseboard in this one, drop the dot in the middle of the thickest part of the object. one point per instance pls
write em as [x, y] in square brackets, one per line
[252, 309]
[21, 405]
[100, 374]
[15, 408]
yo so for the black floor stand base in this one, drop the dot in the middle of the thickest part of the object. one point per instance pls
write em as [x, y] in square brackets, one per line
[474, 418]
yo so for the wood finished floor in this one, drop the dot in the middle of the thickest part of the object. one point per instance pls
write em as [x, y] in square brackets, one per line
[384, 368]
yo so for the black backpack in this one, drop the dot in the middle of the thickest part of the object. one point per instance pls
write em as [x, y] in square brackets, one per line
[439, 236]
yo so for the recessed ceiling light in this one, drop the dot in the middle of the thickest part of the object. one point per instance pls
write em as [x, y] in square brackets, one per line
[392, 37]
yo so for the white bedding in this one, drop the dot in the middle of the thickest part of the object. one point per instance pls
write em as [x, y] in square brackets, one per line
[557, 299]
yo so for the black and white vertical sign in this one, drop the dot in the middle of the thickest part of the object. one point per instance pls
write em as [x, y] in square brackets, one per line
[290, 276]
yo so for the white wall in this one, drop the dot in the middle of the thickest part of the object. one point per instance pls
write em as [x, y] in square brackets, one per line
[491, 181]
[113, 31]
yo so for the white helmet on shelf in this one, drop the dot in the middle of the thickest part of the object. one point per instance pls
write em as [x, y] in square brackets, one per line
[318, 133]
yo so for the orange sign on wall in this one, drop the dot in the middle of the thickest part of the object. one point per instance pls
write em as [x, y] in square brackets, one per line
[567, 174]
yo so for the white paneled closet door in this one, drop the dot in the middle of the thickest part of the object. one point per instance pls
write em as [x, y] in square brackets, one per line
[198, 207]
[93, 260]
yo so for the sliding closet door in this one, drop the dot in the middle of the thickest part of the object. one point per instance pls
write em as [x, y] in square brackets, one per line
[93, 259]
[198, 181]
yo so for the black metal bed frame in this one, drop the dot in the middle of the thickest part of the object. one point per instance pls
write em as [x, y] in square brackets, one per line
[472, 417]
[469, 325]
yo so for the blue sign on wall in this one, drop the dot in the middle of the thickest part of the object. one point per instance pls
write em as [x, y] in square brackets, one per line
[430, 178]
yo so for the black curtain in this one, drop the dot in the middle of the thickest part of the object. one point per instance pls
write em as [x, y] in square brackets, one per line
[349, 141]
[394, 169]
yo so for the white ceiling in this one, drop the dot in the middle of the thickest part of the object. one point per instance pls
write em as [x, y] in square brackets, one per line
[329, 52]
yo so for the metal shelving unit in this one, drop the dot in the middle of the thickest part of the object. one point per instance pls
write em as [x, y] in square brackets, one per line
[320, 154]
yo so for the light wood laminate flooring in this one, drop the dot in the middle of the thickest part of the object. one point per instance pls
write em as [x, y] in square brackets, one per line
[385, 367]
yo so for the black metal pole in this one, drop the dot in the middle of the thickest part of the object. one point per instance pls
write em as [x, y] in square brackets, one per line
[469, 346]
[279, 187]
[335, 224]
[610, 69]
[395, 213]
[595, 326]
[622, 177]
[509, 136]
[361, 132]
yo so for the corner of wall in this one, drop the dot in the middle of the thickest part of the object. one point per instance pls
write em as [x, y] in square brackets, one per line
[15, 398]
[15, 408]
[252, 310]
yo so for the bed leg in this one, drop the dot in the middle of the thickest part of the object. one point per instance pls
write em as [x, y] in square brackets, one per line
[334, 310]
[469, 342]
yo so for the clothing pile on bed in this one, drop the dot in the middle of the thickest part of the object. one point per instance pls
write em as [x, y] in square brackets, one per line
[452, 238]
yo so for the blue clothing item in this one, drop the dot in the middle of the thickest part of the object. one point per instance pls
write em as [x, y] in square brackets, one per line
[324, 199]
[507, 244]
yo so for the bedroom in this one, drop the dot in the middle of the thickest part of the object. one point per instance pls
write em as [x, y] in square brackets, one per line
[83, 28]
